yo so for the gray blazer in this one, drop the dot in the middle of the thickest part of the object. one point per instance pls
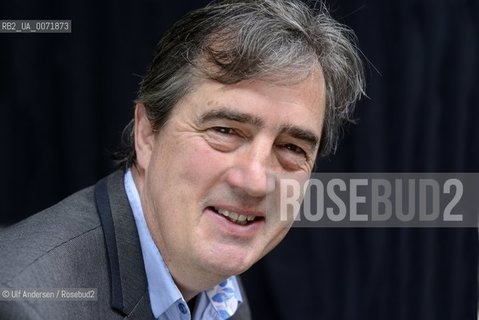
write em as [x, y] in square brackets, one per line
[89, 240]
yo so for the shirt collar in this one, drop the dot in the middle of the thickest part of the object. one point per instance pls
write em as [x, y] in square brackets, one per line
[162, 289]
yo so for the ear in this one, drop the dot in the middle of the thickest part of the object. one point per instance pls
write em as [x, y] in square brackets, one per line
[144, 137]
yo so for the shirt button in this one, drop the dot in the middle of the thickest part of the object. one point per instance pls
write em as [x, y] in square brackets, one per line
[182, 308]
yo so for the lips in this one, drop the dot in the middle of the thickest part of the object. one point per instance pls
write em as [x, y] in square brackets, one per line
[241, 218]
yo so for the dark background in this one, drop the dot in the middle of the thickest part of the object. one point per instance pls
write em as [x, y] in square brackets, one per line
[64, 99]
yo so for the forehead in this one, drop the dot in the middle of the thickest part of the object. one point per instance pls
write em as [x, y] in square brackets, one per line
[301, 101]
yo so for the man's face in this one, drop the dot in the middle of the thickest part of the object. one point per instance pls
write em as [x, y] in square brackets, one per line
[211, 174]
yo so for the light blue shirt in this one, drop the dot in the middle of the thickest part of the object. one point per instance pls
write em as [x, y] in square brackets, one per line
[166, 299]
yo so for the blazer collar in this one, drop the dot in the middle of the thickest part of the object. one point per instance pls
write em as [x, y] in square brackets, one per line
[129, 288]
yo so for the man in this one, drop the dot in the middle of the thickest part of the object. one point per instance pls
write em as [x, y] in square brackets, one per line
[240, 95]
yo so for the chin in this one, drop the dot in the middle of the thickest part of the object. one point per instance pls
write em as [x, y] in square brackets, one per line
[230, 263]
[226, 270]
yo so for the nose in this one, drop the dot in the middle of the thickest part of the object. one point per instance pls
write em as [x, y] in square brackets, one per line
[252, 172]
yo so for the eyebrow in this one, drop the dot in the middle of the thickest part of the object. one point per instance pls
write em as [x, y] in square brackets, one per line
[302, 134]
[228, 114]
[296, 132]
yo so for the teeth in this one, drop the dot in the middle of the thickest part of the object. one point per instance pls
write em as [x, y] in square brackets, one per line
[235, 217]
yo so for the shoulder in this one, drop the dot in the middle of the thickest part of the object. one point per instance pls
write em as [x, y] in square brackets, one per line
[71, 227]
[62, 247]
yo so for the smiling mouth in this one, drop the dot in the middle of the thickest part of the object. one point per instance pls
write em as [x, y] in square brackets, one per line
[234, 216]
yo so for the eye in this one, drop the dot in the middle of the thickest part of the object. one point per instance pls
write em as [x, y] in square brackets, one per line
[224, 139]
[294, 148]
[224, 130]
[293, 157]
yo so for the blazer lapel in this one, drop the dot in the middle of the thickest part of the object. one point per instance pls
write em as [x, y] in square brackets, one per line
[129, 288]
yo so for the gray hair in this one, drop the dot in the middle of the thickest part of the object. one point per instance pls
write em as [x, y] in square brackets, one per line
[283, 41]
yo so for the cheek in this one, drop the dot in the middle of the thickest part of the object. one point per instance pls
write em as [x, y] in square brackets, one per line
[199, 164]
